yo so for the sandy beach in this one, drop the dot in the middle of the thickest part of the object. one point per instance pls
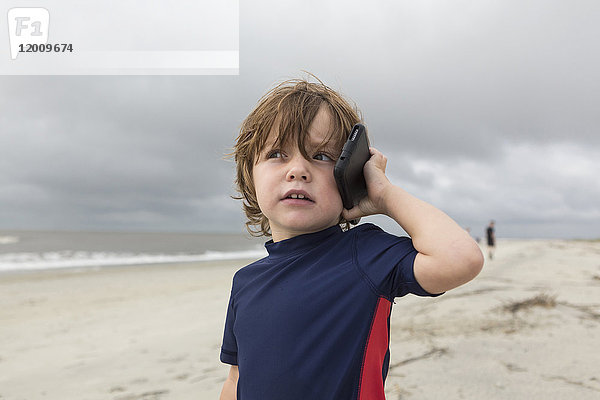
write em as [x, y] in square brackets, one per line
[527, 328]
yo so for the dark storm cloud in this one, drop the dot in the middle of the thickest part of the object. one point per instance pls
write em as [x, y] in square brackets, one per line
[93, 145]
[471, 101]
[453, 77]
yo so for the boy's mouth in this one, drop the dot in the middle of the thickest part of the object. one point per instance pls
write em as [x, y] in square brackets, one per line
[297, 195]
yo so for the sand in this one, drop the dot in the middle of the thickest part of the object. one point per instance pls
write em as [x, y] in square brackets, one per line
[527, 328]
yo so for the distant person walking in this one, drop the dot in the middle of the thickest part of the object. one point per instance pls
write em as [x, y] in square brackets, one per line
[491, 239]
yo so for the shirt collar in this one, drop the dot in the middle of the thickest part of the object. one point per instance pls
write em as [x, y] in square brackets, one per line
[300, 243]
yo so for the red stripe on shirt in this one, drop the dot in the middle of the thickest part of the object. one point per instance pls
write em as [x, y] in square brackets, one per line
[371, 379]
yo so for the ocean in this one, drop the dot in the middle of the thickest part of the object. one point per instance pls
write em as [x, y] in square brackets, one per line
[39, 250]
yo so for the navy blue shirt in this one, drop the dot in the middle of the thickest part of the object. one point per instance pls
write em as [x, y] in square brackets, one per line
[311, 320]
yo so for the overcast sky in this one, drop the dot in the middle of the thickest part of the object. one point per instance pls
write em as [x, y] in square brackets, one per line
[486, 109]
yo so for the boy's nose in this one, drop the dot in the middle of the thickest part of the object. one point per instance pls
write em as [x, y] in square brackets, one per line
[298, 170]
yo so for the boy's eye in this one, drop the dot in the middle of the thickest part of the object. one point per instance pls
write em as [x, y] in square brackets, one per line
[274, 154]
[323, 157]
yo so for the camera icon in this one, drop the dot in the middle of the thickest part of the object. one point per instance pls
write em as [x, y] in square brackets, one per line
[26, 26]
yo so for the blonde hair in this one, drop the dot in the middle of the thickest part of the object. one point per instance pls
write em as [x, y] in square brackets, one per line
[292, 104]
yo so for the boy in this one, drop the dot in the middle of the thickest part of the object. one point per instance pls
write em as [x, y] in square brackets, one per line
[311, 320]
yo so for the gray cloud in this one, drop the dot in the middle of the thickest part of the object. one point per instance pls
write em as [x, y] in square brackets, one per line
[486, 109]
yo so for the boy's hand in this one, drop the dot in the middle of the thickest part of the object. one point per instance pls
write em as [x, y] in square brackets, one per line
[377, 183]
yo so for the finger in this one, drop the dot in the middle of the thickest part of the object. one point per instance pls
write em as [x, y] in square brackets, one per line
[378, 159]
[351, 214]
[374, 151]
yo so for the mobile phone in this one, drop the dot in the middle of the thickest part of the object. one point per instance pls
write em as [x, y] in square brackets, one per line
[348, 170]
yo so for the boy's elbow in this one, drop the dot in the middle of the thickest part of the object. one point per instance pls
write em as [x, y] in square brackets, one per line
[475, 262]
[450, 270]
[464, 262]
[471, 261]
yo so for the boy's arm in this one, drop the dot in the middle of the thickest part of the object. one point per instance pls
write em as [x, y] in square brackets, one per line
[229, 391]
[448, 256]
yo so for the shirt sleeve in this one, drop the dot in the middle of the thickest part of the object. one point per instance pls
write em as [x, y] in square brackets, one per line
[229, 347]
[387, 261]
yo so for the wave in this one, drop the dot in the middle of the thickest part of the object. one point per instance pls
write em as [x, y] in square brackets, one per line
[70, 259]
[9, 239]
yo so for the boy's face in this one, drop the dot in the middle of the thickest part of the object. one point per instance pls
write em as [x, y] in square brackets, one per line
[282, 176]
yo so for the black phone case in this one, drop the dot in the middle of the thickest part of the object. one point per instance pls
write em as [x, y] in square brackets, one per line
[348, 170]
